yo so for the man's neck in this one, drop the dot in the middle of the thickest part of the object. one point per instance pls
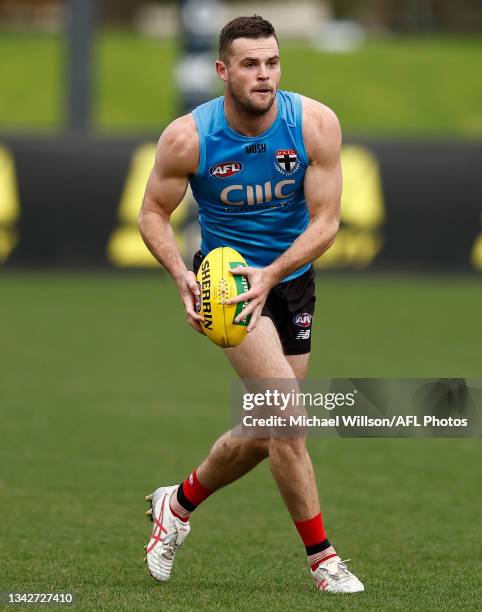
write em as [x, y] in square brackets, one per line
[245, 123]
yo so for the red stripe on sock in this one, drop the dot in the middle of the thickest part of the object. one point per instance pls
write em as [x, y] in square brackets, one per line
[311, 531]
[318, 563]
[184, 519]
[195, 492]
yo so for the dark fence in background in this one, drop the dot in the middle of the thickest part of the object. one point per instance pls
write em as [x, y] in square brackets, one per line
[74, 202]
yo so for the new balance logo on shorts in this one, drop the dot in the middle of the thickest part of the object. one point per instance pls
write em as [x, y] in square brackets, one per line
[303, 334]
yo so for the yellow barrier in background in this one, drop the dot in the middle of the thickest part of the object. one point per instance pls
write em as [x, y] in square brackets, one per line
[9, 206]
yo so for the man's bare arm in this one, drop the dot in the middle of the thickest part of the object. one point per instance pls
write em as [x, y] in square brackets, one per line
[177, 156]
[322, 187]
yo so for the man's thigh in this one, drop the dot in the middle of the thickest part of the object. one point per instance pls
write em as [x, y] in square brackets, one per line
[260, 355]
[299, 363]
[260, 362]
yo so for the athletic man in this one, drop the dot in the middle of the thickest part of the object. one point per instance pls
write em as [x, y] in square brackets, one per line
[264, 167]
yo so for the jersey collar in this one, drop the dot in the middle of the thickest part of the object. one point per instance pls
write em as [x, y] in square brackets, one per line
[242, 137]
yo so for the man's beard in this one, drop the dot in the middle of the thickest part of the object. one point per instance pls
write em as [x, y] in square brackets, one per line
[246, 106]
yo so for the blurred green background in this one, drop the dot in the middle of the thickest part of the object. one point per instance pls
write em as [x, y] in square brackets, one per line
[412, 85]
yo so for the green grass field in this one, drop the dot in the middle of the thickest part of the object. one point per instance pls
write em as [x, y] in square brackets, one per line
[105, 393]
[423, 86]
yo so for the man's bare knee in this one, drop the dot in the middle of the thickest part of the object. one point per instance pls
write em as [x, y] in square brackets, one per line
[259, 447]
[291, 448]
[228, 448]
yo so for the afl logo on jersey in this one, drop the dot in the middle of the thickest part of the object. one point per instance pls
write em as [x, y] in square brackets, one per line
[225, 169]
[287, 161]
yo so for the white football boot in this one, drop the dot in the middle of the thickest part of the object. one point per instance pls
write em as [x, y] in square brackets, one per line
[334, 577]
[167, 536]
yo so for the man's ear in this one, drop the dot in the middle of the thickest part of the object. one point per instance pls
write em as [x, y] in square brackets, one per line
[222, 70]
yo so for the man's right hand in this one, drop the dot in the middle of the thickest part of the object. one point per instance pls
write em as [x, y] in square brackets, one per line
[189, 292]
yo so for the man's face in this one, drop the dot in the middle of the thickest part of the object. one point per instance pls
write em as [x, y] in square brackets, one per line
[252, 73]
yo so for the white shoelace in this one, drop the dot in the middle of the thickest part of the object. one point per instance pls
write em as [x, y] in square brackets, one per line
[170, 546]
[341, 568]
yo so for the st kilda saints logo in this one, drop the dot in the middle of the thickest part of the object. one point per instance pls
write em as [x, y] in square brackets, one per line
[225, 169]
[287, 161]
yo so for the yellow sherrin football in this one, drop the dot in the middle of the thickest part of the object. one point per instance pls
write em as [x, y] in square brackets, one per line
[217, 285]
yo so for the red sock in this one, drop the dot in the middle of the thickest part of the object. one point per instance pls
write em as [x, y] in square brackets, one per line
[311, 531]
[318, 548]
[188, 496]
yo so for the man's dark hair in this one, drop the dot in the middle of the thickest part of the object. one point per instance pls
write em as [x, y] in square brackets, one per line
[244, 27]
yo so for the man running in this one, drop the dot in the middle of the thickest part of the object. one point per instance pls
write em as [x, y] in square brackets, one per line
[264, 168]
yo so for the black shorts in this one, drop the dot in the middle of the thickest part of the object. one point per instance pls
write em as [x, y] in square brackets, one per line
[290, 306]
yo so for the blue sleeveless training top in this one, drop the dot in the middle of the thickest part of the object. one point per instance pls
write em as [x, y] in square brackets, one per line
[250, 189]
